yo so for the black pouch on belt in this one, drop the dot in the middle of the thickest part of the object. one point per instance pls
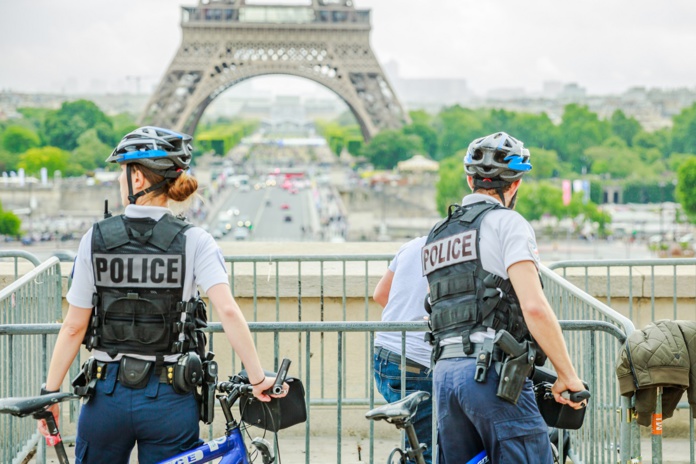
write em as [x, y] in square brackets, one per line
[134, 373]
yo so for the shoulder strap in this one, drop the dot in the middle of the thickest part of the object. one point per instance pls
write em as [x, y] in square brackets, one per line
[477, 210]
[113, 232]
[166, 230]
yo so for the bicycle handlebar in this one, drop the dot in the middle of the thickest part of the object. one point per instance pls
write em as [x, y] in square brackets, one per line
[576, 397]
[244, 388]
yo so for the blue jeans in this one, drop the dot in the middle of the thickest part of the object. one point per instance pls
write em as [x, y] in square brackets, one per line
[388, 381]
[162, 422]
[472, 418]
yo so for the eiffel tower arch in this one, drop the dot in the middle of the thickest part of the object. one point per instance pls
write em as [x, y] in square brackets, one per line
[225, 42]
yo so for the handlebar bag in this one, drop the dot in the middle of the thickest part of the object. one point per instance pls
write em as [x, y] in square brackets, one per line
[279, 413]
[555, 414]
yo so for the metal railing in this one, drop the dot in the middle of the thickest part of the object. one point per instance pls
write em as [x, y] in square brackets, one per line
[33, 298]
[328, 330]
[646, 279]
[15, 256]
[668, 285]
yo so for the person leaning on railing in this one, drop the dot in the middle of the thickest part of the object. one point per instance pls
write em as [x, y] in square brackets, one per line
[487, 304]
[401, 292]
[134, 302]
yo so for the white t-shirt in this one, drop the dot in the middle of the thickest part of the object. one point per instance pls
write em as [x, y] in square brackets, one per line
[405, 303]
[205, 267]
[506, 238]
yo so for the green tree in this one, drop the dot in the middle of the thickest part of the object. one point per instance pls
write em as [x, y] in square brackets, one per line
[615, 158]
[686, 187]
[579, 130]
[63, 126]
[427, 135]
[660, 140]
[684, 131]
[10, 224]
[451, 186]
[537, 199]
[8, 161]
[18, 139]
[91, 151]
[624, 127]
[545, 164]
[389, 147]
[457, 127]
[51, 158]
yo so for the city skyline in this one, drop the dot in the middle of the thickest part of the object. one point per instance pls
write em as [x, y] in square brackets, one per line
[605, 47]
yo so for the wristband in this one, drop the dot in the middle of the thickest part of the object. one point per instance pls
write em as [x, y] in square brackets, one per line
[47, 392]
[257, 383]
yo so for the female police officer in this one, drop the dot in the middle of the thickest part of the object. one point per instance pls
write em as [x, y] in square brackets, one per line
[482, 269]
[134, 302]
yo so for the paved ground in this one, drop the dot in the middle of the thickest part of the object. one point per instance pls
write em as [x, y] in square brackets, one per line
[356, 451]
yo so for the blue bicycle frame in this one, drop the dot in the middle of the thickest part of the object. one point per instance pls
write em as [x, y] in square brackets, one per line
[481, 458]
[231, 448]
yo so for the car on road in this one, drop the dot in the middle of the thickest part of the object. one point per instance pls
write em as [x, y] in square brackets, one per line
[241, 233]
[287, 218]
[284, 206]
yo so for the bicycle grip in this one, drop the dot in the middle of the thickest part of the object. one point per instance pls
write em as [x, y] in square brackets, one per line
[576, 397]
[277, 388]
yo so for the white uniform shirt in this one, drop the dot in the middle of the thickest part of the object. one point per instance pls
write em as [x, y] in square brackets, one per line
[506, 238]
[405, 302]
[205, 267]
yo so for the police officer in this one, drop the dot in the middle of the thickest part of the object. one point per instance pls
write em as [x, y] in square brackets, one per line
[401, 292]
[134, 302]
[481, 263]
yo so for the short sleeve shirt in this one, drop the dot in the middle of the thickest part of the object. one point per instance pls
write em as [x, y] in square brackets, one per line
[205, 264]
[506, 238]
[406, 295]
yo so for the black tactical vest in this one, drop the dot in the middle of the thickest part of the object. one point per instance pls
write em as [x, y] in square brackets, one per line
[463, 296]
[139, 269]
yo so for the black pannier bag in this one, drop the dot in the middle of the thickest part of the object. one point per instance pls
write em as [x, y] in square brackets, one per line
[555, 414]
[279, 413]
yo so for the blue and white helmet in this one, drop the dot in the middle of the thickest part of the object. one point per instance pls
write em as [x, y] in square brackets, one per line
[155, 148]
[497, 156]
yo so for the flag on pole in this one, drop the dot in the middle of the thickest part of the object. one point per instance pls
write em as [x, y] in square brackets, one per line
[566, 192]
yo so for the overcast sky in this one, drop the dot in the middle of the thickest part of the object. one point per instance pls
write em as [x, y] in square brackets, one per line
[605, 46]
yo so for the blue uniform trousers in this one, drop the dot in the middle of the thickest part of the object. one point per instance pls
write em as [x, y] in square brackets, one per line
[472, 418]
[162, 422]
[388, 381]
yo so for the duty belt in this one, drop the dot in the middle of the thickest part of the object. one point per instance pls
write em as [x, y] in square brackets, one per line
[456, 350]
[166, 375]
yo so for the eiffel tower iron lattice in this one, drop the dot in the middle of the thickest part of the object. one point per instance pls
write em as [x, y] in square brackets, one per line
[225, 42]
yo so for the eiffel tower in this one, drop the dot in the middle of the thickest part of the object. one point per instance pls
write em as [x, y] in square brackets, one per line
[227, 41]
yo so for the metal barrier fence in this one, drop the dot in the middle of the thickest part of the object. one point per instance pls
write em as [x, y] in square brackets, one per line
[637, 281]
[33, 298]
[15, 256]
[332, 352]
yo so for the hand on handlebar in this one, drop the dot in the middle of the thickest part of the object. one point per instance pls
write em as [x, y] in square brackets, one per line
[263, 391]
[566, 392]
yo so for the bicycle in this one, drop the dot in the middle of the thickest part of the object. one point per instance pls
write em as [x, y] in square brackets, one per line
[400, 413]
[231, 447]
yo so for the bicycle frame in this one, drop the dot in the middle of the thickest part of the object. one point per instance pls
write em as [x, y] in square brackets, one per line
[231, 448]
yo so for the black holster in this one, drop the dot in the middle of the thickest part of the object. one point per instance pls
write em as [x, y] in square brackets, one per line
[207, 396]
[514, 373]
[85, 381]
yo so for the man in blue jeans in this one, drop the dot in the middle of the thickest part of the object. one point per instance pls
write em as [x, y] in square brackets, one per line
[401, 293]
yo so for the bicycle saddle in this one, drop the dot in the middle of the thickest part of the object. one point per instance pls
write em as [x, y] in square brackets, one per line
[401, 409]
[21, 407]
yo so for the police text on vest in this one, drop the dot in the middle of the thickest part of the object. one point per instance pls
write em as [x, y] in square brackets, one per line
[136, 270]
[448, 251]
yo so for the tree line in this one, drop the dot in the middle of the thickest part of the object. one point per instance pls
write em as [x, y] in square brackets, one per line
[649, 166]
